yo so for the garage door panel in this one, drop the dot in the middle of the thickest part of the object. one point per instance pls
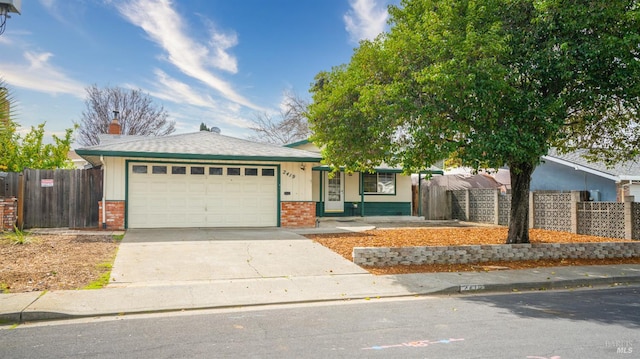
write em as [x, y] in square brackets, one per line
[201, 200]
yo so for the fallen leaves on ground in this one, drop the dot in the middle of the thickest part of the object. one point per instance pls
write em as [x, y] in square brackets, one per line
[54, 262]
[343, 244]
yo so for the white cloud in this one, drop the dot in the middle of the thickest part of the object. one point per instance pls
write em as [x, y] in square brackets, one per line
[39, 75]
[165, 27]
[170, 89]
[365, 20]
[195, 105]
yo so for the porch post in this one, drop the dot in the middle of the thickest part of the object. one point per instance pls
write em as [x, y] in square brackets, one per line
[321, 199]
[361, 194]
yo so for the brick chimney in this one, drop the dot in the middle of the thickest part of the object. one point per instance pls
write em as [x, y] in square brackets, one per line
[114, 126]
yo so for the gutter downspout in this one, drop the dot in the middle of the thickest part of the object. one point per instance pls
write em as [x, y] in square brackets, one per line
[104, 192]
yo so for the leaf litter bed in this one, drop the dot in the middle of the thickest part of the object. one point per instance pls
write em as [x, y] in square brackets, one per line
[343, 244]
[54, 262]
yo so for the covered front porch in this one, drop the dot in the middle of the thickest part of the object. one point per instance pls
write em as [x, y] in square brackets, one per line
[384, 192]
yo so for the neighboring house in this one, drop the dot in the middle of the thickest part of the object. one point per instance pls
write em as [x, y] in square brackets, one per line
[572, 172]
[464, 181]
[203, 179]
[78, 162]
[385, 192]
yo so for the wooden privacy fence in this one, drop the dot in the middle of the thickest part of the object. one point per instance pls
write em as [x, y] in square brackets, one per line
[55, 198]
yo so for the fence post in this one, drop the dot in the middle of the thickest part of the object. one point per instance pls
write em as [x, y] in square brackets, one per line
[575, 198]
[20, 214]
[496, 207]
[532, 210]
[628, 217]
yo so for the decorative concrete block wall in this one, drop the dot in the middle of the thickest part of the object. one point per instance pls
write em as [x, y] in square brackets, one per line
[459, 204]
[601, 219]
[552, 210]
[481, 205]
[556, 211]
[385, 256]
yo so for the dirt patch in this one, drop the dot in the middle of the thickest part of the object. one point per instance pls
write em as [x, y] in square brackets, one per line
[54, 262]
[343, 244]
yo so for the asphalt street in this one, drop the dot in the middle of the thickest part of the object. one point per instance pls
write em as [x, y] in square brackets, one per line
[586, 323]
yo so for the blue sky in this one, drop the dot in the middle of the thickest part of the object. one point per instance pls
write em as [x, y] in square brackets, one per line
[215, 61]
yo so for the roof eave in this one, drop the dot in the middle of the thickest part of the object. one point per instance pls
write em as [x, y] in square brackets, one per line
[381, 170]
[195, 156]
[298, 143]
[582, 168]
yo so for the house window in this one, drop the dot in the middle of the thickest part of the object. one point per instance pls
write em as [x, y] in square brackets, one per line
[215, 171]
[268, 172]
[159, 170]
[233, 171]
[379, 183]
[139, 169]
[178, 170]
[250, 171]
[197, 170]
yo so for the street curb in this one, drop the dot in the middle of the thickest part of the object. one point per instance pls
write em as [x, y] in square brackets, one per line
[538, 285]
[32, 316]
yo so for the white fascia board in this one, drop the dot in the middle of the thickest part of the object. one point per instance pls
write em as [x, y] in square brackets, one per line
[629, 178]
[578, 167]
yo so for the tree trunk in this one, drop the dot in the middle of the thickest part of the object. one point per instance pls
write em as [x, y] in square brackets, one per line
[519, 216]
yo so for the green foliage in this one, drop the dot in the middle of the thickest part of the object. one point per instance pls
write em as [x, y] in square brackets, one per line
[31, 151]
[99, 283]
[494, 81]
[18, 152]
[204, 127]
[18, 236]
[103, 280]
[118, 237]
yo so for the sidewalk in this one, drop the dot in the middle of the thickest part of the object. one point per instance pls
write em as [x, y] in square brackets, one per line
[176, 296]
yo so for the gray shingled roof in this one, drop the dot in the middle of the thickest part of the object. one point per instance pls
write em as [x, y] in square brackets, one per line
[629, 170]
[201, 145]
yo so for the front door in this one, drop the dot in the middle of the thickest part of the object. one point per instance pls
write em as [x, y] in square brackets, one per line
[334, 198]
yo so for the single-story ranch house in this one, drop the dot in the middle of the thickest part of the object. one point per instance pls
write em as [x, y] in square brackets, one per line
[205, 179]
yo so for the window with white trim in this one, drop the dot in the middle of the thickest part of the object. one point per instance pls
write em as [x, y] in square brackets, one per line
[379, 183]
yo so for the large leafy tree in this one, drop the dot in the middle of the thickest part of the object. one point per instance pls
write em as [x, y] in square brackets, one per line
[18, 152]
[494, 81]
[138, 114]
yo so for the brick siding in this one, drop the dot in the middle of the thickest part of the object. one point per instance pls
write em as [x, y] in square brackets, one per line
[298, 214]
[115, 215]
[385, 256]
[8, 213]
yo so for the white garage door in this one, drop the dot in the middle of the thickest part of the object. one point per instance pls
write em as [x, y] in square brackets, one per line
[194, 195]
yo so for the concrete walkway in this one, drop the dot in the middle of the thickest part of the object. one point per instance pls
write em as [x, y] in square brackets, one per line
[155, 283]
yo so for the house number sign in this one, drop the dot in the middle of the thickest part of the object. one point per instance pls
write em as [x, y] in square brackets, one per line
[288, 174]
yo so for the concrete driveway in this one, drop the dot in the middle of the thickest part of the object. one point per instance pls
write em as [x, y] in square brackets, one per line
[161, 256]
